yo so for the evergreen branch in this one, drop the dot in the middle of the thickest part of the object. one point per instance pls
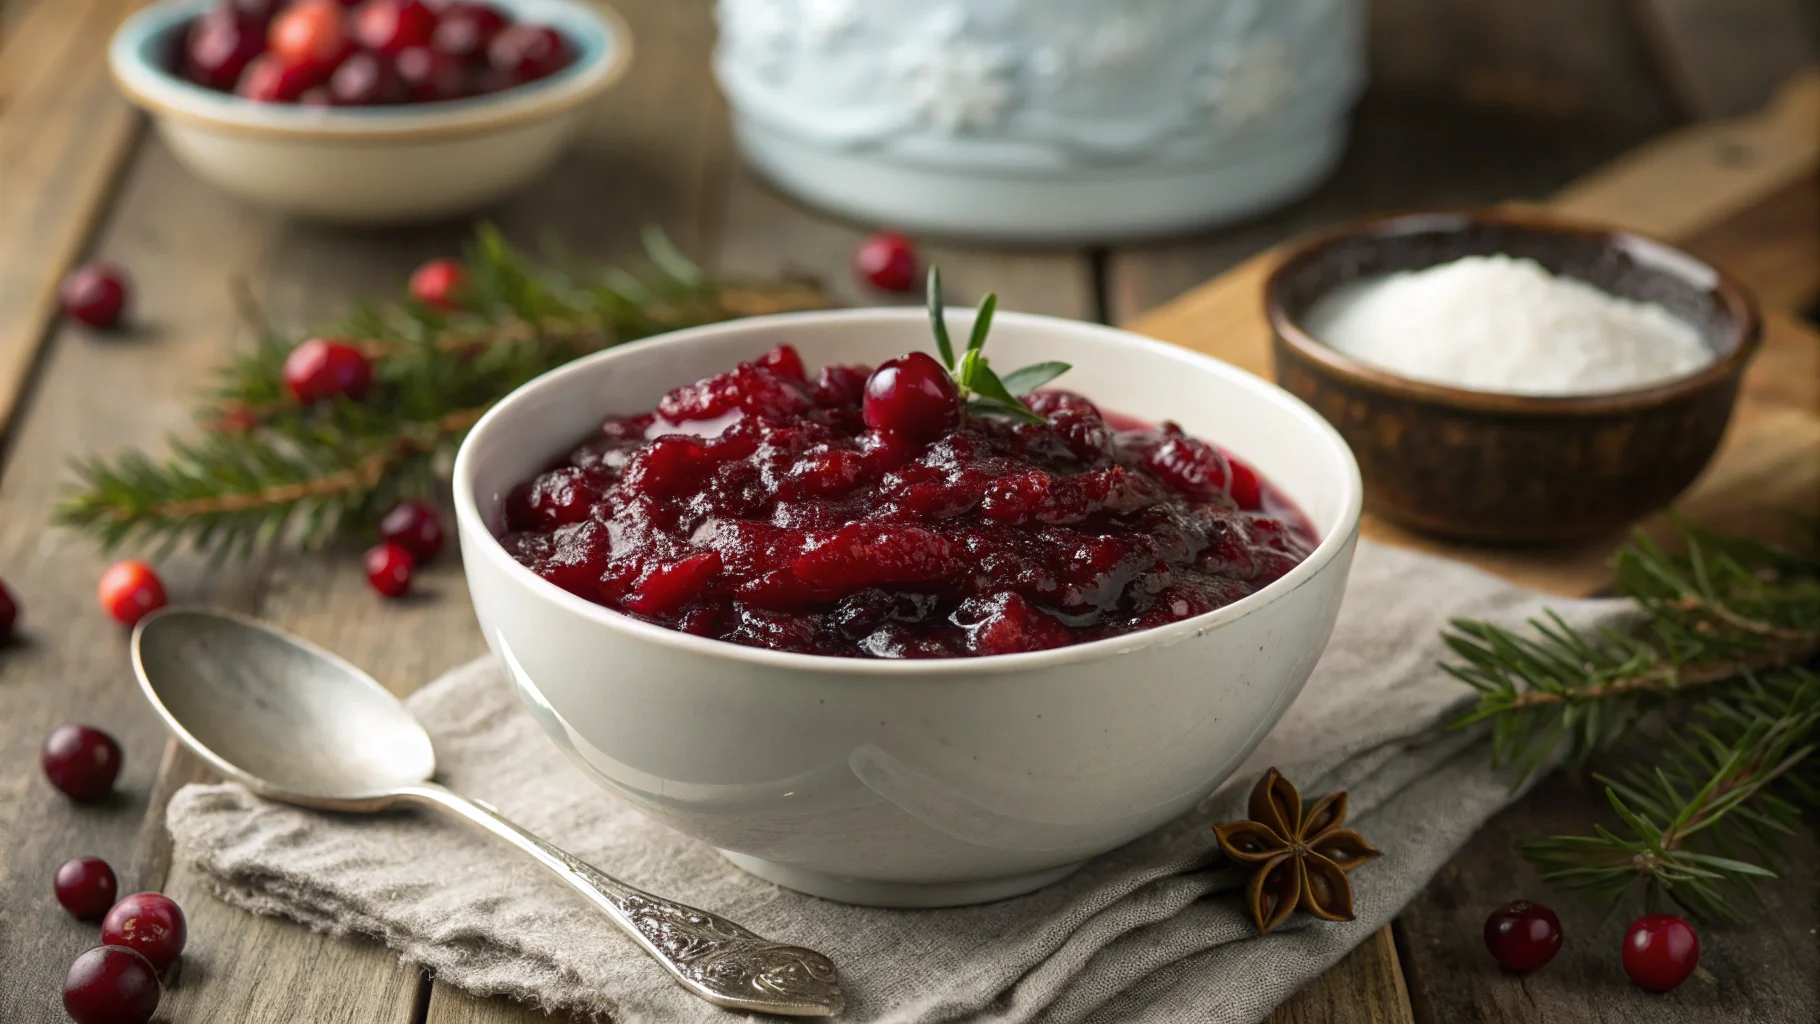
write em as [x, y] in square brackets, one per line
[268, 467]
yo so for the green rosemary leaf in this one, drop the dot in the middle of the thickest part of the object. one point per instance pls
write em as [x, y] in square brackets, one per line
[938, 320]
[1026, 379]
[982, 322]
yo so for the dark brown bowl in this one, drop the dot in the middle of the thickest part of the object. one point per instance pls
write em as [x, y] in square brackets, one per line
[1477, 466]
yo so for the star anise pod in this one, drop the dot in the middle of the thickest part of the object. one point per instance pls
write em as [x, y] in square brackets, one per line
[1297, 859]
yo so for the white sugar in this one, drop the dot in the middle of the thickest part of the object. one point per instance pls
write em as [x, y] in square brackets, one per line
[1492, 323]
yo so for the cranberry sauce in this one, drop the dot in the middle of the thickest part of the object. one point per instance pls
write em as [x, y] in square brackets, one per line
[757, 507]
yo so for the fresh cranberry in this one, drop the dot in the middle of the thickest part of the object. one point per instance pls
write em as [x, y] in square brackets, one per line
[95, 294]
[526, 53]
[309, 34]
[366, 80]
[431, 76]
[782, 361]
[321, 369]
[439, 283]
[85, 886]
[111, 985]
[82, 761]
[413, 526]
[1523, 935]
[888, 261]
[464, 30]
[129, 591]
[220, 45]
[269, 79]
[9, 614]
[912, 396]
[149, 923]
[260, 11]
[1660, 951]
[389, 568]
[392, 26]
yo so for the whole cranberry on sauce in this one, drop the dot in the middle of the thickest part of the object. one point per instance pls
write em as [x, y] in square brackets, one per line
[1660, 951]
[1523, 935]
[82, 761]
[95, 293]
[9, 614]
[322, 369]
[389, 567]
[85, 886]
[438, 283]
[887, 261]
[111, 985]
[149, 923]
[912, 396]
[129, 591]
[415, 527]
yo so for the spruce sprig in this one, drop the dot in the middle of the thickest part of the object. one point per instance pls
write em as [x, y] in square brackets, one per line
[1714, 683]
[981, 389]
[267, 469]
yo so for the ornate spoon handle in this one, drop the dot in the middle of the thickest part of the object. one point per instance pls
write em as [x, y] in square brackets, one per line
[707, 954]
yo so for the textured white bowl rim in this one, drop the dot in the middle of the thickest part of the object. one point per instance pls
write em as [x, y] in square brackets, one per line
[165, 95]
[1333, 540]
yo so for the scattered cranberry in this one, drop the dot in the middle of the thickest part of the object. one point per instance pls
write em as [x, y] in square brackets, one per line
[1660, 951]
[321, 369]
[389, 568]
[151, 924]
[85, 886]
[431, 76]
[221, 44]
[439, 283]
[912, 396]
[1523, 935]
[391, 26]
[527, 52]
[9, 614]
[309, 34]
[95, 294]
[888, 261]
[82, 761]
[129, 591]
[413, 526]
[269, 79]
[111, 985]
[364, 80]
[465, 29]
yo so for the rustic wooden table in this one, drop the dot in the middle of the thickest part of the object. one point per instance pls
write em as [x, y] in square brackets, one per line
[1518, 99]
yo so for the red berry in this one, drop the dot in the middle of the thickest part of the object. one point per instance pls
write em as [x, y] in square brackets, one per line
[1523, 935]
[85, 886]
[309, 34]
[465, 29]
[413, 526]
[391, 26]
[783, 361]
[431, 76]
[389, 568]
[888, 261]
[82, 761]
[912, 396]
[439, 283]
[129, 591]
[260, 11]
[220, 45]
[111, 985]
[365, 80]
[95, 294]
[1660, 951]
[325, 368]
[9, 614]
[525, 53]
[269, 79]
[149, 923]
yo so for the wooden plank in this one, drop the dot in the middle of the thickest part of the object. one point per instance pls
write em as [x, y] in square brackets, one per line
[63, 134]
[1365, 988]
[1723, 58]
[1767, 971]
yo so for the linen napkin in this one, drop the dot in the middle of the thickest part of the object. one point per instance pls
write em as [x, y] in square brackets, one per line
[1153, 931]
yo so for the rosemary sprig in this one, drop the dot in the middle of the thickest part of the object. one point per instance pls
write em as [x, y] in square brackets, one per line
[981, 389]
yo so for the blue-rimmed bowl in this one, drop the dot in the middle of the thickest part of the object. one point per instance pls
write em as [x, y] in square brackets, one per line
[371, 165]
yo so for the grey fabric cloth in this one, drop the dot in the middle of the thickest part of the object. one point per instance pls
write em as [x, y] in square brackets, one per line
[1154, 931]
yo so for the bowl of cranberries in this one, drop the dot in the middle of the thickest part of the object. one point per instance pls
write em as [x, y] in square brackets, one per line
[369, 111]
[885, 626]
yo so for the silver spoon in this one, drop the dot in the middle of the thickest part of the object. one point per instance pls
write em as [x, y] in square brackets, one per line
[294, 723]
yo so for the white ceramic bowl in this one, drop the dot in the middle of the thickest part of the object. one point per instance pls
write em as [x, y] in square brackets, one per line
[923, 783]
[371, 165]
